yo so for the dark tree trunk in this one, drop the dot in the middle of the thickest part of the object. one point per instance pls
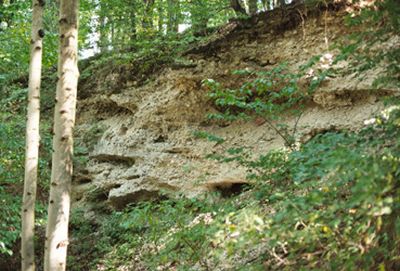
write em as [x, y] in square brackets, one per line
[147, 22]
[1, 13]
[265, 4]
[239, 10]
[133, 29]
[173, 16]
[160, 13]
[252, 6]
[103, 40]
[199, 14]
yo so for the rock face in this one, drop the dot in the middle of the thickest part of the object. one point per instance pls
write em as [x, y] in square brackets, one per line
[147, 148]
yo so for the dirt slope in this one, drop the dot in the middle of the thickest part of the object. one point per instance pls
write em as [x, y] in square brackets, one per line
[147, 145]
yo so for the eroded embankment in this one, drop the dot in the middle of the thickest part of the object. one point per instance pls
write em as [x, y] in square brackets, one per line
[146, 145]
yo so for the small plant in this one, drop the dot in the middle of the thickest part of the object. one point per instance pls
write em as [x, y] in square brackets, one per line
[267, 95]
[12, 143]
[372, 47]
[330, 204]
[208, 136]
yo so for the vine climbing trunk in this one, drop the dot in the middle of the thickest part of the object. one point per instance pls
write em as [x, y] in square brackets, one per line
[32, 139]
[64, 119]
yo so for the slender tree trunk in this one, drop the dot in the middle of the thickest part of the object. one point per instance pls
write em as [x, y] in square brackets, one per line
[237, 7]
[64, 120]
[265, 4]
[103, 41]
[32, 140]
[10, 15]
[160, 13]
[173, 9]
[177, 17]
[121, 32]
[133, 30]
[1, 13]
[147, 21]
[252, 5]
[112, 33]
[199, 15]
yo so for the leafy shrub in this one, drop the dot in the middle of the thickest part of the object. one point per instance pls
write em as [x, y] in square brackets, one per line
[332, 204]
[370, 47]
[12, 157]
[267, 95]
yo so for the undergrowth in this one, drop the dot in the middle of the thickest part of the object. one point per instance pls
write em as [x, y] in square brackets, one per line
[139, 62]
[269, 95]
[12, 156]
[329, 204]
[333, 204]
[374, 48]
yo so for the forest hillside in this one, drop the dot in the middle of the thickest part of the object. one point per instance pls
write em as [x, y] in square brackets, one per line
[267, 142]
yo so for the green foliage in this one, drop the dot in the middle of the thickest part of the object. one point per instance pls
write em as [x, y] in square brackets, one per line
[374, 46]
[144, 58]
[85, 141]
[15, 39]
[332, 204]
[208, 136]
[163, 233]
[206, 14]
[267, 94]
[12, 157]
[14, 57]
[12, 147]
[344, 190]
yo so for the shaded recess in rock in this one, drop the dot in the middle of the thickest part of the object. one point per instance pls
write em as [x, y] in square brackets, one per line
[83, 179]
[160, 139]
[101, 194]
[228, 188]
[115, 159]
[119, 202]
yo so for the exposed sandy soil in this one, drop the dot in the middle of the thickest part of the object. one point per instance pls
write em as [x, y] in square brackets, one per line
[148, 146]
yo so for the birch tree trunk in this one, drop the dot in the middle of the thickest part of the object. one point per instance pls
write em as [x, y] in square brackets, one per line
[32, 140]
[64, 120]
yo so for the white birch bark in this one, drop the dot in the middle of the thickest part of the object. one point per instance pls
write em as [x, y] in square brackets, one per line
[32, 139]
[64, 120]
